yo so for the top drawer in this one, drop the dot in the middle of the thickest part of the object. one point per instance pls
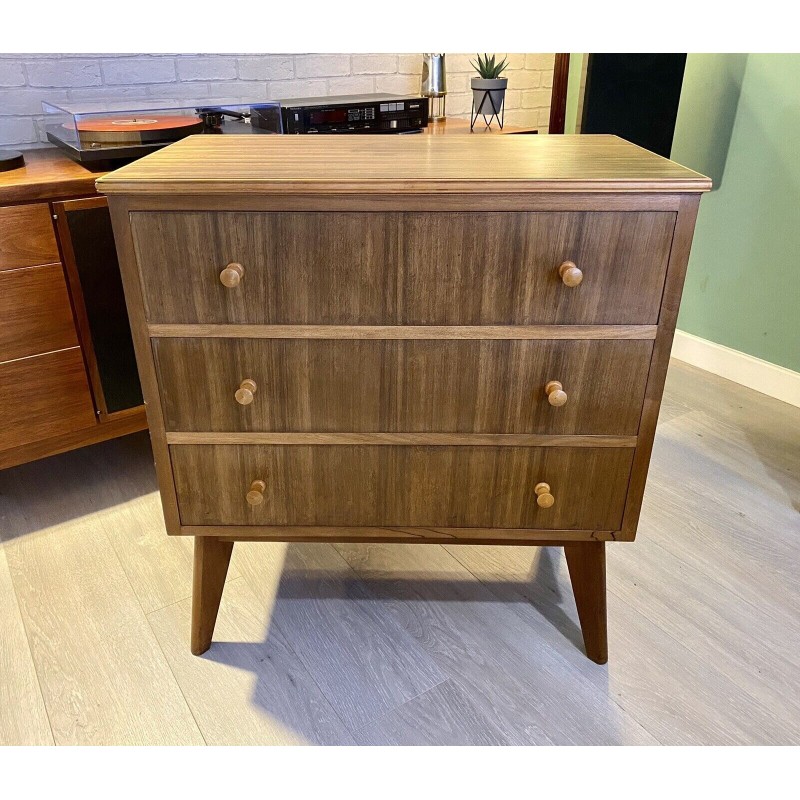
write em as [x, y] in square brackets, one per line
[26, 236]
[403, 268]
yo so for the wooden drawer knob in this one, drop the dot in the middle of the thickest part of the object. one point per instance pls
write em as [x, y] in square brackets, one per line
[247, 388]
[232, 275]
[255, 497]
[570, 274]
[556, 395]
[543, 497]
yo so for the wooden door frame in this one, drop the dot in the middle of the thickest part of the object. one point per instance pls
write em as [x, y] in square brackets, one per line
[60, 210]
[558, 96]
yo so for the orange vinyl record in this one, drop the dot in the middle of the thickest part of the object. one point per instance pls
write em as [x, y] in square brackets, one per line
[143, 129]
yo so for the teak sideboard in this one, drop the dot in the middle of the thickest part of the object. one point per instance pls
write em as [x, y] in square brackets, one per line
[67, 372]
[403, 339]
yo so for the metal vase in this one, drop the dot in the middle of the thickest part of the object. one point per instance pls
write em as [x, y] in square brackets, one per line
[434, 82]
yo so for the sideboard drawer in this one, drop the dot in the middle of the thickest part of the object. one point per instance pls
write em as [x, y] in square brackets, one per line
[35, 312]
[44, 396]
[402, 268]
[427, 486]
[464, 386]
[27, 238]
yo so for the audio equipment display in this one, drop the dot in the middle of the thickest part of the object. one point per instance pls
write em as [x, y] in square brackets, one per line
[366, 113]
[101, 136]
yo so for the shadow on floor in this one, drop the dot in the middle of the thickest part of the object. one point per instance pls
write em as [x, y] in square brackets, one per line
[317, 594]
[54, 490]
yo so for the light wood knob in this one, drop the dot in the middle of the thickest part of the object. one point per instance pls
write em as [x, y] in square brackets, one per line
[556, 395]
[232, 275]
[543, 497]
[244, 394]
[570, 274]
[255, 497]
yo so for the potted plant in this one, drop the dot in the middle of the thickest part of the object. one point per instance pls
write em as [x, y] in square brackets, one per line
[489, 89]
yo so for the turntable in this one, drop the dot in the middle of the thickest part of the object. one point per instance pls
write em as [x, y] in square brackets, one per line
[96, 135]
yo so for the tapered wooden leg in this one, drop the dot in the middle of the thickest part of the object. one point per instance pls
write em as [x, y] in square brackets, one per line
[587, 572]
[211, 559]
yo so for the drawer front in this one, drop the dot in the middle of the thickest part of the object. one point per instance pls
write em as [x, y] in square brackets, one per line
[462, 486]
[27, 238]
[402, 385]
[35, 312]
[44, 396]
[409, 268]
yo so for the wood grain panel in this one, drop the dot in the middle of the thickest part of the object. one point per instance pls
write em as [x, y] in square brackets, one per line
[678, 262]
[48, 173]
[402, 385]
[35, 312]
[405, 486]
[483, 269]
[120, 220]
[473, 439]
[26, 236]
[82, 437]
[452, 165]
[405, 331]
[457, 268]
[398, 535]
[44, 396]
[412, 201]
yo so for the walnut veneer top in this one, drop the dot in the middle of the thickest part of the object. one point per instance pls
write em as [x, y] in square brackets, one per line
[379, 164]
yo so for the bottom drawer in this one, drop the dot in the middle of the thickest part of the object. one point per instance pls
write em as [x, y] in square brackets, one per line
[388, 485]
[44, 396]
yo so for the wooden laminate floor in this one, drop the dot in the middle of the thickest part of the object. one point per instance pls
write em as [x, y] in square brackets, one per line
[404, 644]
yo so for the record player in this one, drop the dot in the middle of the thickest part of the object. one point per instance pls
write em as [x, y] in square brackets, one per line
[95, 135]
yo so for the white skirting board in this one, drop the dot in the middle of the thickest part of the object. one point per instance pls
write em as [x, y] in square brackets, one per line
[770, 379]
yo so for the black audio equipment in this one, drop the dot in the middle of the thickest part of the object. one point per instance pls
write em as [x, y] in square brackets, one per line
[365, 113]
[634, 95]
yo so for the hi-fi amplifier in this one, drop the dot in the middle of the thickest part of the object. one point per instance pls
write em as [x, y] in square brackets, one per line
[365, 113]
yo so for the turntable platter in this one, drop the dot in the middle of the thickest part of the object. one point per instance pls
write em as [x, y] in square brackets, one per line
[137, 130]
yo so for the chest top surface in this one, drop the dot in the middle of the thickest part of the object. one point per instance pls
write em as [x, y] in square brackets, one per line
[403, 164]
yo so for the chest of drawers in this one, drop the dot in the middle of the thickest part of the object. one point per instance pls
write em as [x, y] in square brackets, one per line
[403, 339]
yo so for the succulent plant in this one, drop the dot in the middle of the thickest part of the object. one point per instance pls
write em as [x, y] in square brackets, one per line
[487, 67]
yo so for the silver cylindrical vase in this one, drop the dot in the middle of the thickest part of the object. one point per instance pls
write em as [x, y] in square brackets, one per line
[434, 84]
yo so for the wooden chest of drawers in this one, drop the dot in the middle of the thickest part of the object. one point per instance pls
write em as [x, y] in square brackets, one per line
[403, 339]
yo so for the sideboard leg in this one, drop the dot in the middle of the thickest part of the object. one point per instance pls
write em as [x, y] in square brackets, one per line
[211, 559]
[587, 572]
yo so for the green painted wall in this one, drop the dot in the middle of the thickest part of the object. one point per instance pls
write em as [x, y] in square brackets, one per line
[743, 284]
[573, 92]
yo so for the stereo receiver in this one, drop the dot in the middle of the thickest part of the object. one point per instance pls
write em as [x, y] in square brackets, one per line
[365, 113]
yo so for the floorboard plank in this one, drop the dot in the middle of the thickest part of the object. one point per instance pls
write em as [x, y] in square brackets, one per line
[364, 664]
[675, 693]
[509, 671]
[103, 676]
[444, 715]
[23, 718]
[249, 688]
[717, 626]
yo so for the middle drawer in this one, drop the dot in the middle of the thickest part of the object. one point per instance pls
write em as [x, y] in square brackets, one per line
[431, 385]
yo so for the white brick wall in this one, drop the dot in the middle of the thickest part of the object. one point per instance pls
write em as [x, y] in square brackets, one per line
[26, 80]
